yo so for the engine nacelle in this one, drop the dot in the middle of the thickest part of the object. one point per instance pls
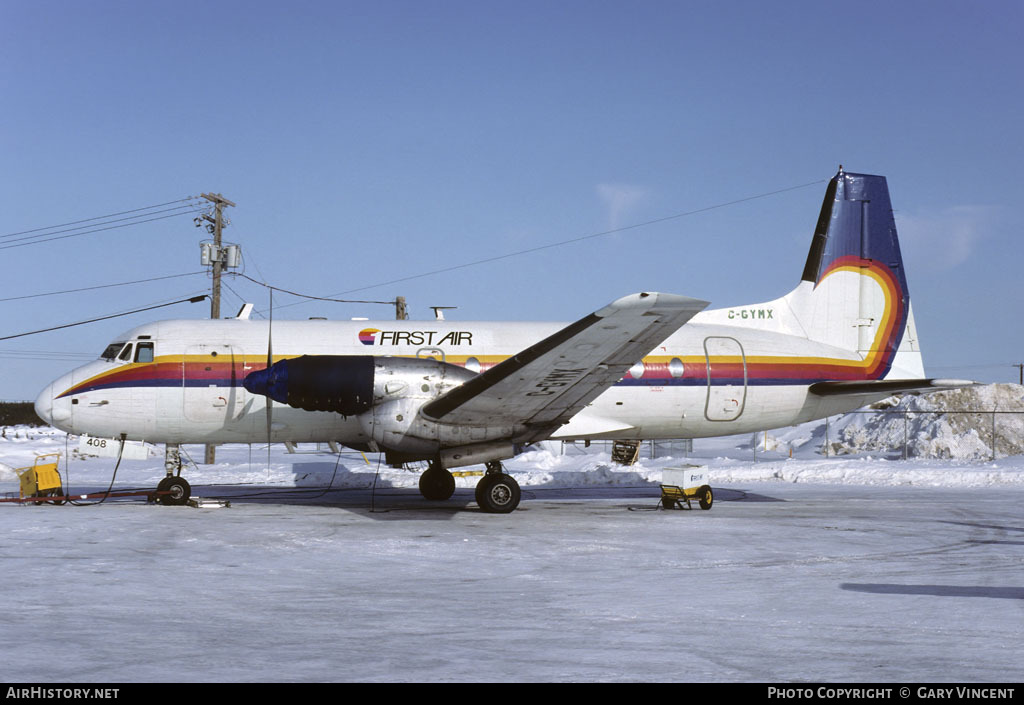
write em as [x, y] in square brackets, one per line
[385, 393]
[401, 386]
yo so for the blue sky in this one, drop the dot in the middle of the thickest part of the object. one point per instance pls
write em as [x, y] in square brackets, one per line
[365, 142]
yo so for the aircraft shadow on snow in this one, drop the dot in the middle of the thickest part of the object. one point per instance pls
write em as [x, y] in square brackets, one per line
[1005, 593]
[315, 486]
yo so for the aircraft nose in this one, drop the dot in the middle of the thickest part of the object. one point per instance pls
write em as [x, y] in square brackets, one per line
[53, 411]
[44, 404]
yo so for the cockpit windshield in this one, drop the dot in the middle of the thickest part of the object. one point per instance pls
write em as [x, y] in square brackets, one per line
[111, 351]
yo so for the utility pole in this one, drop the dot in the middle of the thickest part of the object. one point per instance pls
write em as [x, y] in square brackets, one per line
[401, 314]
[1020, 368]
[218, 202]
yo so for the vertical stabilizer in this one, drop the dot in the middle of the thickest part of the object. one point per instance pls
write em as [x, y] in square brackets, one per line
[856, 222]
[853, 292]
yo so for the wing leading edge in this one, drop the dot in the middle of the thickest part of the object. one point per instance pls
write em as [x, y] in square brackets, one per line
[545, 385]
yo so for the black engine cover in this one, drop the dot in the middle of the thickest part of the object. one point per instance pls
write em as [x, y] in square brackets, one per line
[339, 383]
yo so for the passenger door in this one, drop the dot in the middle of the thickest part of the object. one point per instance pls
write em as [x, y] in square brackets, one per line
[727, 378]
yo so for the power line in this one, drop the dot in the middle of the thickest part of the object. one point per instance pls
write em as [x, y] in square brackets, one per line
[99, 286]
[87, 230]
[583, 238]
[44, 355]
[569, 241]
[100, 217]
[169, 299]
[194, 299]
[308, 296]
[237, 295]
[184, 210]
[98, 230]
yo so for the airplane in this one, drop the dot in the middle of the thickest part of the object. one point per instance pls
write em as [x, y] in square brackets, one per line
[646, 366]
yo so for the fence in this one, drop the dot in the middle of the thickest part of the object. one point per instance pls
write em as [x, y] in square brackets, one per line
[953, 435]
[890, 433]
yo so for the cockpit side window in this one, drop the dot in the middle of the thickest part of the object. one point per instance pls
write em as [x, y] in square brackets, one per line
[111, 351]
[144, 352]
[126, 354]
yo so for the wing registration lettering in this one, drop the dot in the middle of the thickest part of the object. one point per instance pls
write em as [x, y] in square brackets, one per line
[555, 380]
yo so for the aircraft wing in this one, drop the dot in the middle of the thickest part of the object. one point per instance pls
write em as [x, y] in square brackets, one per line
[545, 385]
[891, 386]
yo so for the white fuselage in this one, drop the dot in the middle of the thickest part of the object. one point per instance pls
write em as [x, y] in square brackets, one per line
[727, 371]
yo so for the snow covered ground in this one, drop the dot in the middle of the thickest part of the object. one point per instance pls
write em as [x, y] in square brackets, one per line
[851, 568]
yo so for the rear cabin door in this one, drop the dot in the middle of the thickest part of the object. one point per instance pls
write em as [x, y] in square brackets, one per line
[727, 378]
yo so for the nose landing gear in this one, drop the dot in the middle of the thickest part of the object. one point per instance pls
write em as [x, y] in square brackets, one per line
[173, 490]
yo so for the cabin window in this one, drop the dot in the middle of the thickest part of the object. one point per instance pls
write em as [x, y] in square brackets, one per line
[637, 370]
[111, 351]
[473, 365]
[144, 352]
[675, 367]
[126, 354]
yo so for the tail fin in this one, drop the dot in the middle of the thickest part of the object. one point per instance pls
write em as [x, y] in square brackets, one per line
[854, 292]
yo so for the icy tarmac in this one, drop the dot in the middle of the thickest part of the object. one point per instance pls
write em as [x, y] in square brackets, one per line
[778, 582]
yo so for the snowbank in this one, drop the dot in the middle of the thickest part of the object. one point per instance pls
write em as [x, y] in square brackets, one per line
[958, 424]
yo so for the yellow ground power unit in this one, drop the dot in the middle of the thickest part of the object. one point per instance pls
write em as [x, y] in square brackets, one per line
[41, 479]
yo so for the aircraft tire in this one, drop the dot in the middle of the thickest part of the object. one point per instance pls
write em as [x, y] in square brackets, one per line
[180, 491]
[437, 484]
[707, 498]
[498, 493]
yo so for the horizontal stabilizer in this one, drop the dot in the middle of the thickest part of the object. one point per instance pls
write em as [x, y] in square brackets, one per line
[890, 386]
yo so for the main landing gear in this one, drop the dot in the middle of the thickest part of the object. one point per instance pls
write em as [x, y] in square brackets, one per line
[496, 493]
[436, 483]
